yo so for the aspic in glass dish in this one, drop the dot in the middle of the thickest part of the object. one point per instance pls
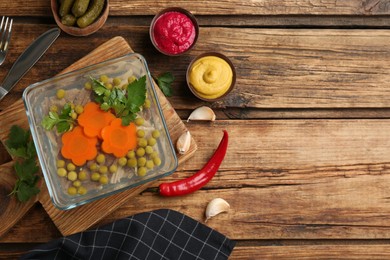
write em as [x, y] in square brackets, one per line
[99, 130]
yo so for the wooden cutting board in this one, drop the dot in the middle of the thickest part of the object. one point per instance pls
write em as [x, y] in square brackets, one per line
[82, 217]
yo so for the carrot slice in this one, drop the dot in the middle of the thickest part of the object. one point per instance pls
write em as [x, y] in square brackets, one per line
[118, 139]
[93, 119]
[78, 147]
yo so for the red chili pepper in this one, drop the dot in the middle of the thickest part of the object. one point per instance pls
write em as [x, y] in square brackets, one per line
[199, 179]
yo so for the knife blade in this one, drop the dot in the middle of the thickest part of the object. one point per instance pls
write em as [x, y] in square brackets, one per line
[27, 59]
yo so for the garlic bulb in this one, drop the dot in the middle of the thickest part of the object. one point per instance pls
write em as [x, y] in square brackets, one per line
[184, 142]
[202, 113]
[215, 207]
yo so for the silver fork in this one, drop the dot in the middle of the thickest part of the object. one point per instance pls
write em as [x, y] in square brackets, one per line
[5, 30]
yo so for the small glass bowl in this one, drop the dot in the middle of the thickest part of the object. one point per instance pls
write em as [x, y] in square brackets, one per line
[39, 97]
[206, 54]
[179, 10]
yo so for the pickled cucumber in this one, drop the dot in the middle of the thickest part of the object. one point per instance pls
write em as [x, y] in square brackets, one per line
[80, 7]
[92, 13]
[68, 20]
[65, 7]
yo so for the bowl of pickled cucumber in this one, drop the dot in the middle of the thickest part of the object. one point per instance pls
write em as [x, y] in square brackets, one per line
[99, 130]
[80, 17]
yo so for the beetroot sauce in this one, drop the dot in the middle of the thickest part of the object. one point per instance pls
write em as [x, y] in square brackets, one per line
[174, 32]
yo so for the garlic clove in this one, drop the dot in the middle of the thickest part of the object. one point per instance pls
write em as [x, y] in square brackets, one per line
[184, 142]
[202, 113]
[215, 207]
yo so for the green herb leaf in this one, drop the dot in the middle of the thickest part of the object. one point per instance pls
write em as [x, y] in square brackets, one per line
[18, 137]
[124, 103]
[63, 122]
[19, 152]
[50, 121]
[98, 87]
[164, 81]
[136, 94]
[25, 191]
[26, 169]
[126, 120]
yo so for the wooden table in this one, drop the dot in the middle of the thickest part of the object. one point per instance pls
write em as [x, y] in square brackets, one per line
[307, 173]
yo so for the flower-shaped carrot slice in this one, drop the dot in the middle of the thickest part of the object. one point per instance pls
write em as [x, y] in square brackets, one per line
[78, 147]
[118, 139]
[93, 119]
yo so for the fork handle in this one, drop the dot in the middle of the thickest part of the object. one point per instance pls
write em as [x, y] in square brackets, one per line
[28, 58]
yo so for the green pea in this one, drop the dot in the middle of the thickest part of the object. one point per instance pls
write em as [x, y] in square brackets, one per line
[81, 190]
[148, 150]
[71, 167]
[139, 121]
[132, 162]
[60, 163]
[103, 78]
[140, 151]
[141, 133]
[77, 183]
[82, 175]
[131, 154]
[152, 141]
[157, 161]
[72, 176]
[88, 85]
[142, 142]
[103, 179]
[103, 169]
[101, 158]
[79, 109]
[147, 103]
[149, 164]
[72, 190]
[141, 161]
[95, 176]
[142, 171]
[60, 93]
[113, 168]
[156, 134]
[122, 161]
[61, 172]
[116, 81]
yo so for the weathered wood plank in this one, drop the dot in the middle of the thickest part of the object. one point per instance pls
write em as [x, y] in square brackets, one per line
[324, 68]
[336, 252]
[302, 179]
[225, 7]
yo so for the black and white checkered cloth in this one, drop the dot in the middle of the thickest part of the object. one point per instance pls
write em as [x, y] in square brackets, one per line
[160, 234]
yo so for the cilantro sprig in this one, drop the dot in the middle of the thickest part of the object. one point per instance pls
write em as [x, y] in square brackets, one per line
[20, 145]
[164, 81]
[63, 121]
[125, 103]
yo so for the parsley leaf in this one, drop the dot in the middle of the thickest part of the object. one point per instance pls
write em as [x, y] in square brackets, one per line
[20, 144]
[62, 121]
[18, 137]
[164, 81]
[124, 103]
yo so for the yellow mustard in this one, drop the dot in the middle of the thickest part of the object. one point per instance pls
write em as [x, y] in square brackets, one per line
[210, 77]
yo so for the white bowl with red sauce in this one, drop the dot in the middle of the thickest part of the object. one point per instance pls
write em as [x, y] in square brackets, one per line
[174, 31]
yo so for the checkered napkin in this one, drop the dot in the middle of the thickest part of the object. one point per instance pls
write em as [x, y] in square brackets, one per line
[160, 234]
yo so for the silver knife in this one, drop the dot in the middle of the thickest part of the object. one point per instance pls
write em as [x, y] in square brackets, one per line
[27, 59]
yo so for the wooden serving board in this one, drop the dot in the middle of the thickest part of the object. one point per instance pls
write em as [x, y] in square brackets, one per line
[82, 217]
